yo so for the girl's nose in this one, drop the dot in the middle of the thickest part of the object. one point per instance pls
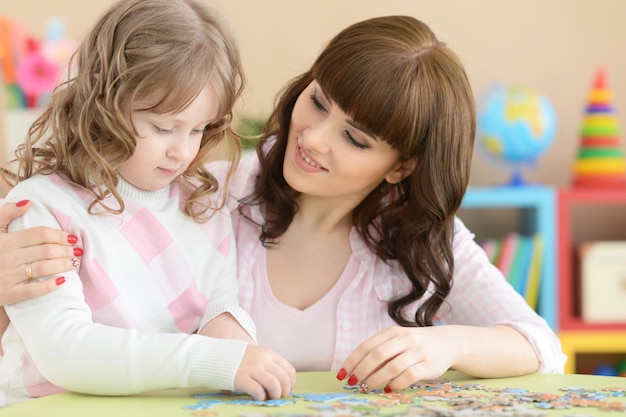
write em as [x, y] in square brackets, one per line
[179, 148]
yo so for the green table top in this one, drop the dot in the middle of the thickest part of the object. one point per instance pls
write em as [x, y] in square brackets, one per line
[177, 402]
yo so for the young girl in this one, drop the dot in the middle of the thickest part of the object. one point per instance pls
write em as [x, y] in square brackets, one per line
[117, 160]
[350, 255]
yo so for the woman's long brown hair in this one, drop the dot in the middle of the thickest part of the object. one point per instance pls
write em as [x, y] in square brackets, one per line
[393, 76]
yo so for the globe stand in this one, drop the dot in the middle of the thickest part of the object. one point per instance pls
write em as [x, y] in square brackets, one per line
[517, 179]
[517, 169]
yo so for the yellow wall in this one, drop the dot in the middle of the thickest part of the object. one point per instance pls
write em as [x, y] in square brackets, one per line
[554, 46]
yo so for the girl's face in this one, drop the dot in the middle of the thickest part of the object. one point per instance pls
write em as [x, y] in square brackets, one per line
[167, 143]
[330, 155]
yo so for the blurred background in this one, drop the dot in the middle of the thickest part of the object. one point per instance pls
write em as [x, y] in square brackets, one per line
[553, 46]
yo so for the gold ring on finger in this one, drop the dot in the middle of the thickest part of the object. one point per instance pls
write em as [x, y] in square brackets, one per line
[29, 270]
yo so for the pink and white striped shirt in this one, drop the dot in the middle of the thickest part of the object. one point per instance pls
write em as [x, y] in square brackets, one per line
[338, 323]
[125, 323]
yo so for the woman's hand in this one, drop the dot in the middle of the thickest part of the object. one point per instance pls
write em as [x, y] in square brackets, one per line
[399, 356]
[32, 253]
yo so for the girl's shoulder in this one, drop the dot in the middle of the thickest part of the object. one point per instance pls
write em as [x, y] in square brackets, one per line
[41, 186]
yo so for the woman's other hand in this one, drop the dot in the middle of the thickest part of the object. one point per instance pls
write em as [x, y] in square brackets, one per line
[399, 356]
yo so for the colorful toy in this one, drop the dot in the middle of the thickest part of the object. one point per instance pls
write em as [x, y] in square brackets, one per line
[515, 126]
[36, 74]
[600, 161]
[31, 67]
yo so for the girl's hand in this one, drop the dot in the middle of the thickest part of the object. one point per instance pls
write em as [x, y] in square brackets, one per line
[32, 253]
[399, 356]
[264, 374]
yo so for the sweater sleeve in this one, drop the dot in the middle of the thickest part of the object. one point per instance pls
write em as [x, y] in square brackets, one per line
[481, 296]
[224, 297]
[74, 352]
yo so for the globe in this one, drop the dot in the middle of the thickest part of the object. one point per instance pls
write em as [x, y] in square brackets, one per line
[515, 126]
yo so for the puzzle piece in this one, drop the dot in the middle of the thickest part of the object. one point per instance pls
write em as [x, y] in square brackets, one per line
[322, 398]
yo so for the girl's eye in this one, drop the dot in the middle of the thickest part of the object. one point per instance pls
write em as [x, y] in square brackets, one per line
[317, 103]
[162, 130]
[353, 141]
[198, 131]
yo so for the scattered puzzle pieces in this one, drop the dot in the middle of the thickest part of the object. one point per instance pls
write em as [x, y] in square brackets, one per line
[435, 398]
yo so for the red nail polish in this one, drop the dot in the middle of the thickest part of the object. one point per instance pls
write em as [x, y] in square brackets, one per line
[78, 252]
[387, 389]
[353, 380]
[341, 374]
[21, 203]
[60, 280]
[71, 239]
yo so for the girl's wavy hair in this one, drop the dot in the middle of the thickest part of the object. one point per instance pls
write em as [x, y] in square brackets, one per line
[393, 76]
[161, 50]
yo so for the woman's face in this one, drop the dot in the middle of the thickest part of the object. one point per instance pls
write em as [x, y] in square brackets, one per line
[330, 155]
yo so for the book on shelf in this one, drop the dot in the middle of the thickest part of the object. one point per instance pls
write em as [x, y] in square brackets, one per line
[534, 274]
[519, 270]
[519, 257]
[504, 261]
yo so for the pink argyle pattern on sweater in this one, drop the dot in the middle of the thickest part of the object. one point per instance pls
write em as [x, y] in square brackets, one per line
[99, 290]
[180, 307]
[141, 225]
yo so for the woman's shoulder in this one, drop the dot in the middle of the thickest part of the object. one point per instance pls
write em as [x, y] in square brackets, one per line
[247, 170]
[462, 235]
[387, 273]
[241, 182]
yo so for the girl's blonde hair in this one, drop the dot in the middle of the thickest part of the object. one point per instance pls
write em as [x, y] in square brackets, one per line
[162, 49]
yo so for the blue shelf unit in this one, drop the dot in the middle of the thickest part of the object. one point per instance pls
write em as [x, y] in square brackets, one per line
[537, 206]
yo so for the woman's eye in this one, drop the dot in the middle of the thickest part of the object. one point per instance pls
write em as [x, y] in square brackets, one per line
[198, 131]
[353, 141]
[317, 103]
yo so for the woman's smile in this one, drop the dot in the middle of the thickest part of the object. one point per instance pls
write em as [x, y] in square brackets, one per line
[305, 162]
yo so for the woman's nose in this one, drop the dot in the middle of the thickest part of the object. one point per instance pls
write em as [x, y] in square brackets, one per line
[317, 137]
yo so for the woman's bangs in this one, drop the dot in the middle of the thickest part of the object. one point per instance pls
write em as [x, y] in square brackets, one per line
[366, 99]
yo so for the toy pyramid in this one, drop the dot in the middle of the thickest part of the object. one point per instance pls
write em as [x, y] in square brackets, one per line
[600, 161]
